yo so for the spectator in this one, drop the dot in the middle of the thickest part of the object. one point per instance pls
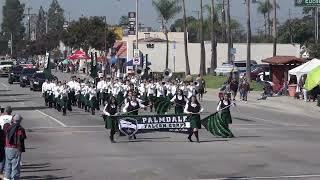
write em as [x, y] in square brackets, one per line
[6, 117]
[234, 88]
[245, 88]
[14, 146]
[2, 154]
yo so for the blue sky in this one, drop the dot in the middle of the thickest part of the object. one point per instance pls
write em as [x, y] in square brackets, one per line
[113, 9]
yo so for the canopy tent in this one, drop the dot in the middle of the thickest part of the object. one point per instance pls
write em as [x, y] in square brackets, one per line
[226, 68]
[304, 68]
[78, 55]
[313, 79]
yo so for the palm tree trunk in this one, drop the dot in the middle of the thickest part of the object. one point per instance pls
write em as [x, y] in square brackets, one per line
[274, 28]
[203, 52]
[265, 25]
[167, 53]
[185, 38]
[213, 40]
[224, 27]
[229, 32]
[248, 64]
[269, 18]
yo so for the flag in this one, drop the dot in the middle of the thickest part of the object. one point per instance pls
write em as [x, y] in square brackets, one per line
[162, 105]
[47, 66]
[217, 126]
[93, 72]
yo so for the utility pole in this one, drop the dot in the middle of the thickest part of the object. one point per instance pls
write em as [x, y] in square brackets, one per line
[29, 23]
[274, 28]
[229, 32]
[248, 64]
[137, 24]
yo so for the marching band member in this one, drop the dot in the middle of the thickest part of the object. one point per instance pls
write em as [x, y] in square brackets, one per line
[71, 95]
[109, 111]
[161, 89]
[143, 92]
[180, 101]
[191, 90]
[105, 90]
[93, 99]
[64, 91]
[132, 108]
[50, 97]
[183, 87]
[44, 88]
[83, 93]
[100, 85]
[77, 90]
[193, 108]
[151, 93]
[56, 95]
[224, 108]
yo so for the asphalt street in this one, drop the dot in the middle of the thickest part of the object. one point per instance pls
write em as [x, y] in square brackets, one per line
[269, 144]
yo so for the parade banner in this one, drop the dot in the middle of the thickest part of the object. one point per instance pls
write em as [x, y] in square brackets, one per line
[130, 125]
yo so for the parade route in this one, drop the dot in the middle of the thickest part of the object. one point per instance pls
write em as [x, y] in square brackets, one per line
[270, 144]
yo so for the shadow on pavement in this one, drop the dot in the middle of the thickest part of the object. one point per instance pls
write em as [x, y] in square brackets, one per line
[4, 90]
[243, 119]
[46, 177]
[9, 101]
[13, 94]
[42, 167]
[161, 141]
[29, 108]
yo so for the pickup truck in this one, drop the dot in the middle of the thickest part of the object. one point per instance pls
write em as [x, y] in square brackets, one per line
[5, 67]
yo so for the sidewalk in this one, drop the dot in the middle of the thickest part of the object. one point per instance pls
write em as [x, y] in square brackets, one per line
[279, 103]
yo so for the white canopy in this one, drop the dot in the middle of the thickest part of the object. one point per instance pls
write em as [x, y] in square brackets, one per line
[304, 69]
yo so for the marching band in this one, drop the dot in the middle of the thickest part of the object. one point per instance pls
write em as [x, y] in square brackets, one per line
[128, 95]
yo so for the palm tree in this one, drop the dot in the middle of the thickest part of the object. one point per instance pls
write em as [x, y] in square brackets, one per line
[167, 10]
[185, 37]
[203, 51]
[263, 8]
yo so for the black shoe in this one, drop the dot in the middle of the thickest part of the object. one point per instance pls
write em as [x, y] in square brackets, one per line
[134, 137]
[198, 141]
[189, 138]
[111, 139]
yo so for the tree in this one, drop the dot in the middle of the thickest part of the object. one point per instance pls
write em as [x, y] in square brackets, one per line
[192, 26]
[264, 8]
[203, 52]
[124, 21]
[41, 24]
[185, 26]
[13, 14]
[167, 10]
[55, 22]
[88, 32]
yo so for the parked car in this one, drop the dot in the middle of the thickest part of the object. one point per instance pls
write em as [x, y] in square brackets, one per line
[36, 81]
[14, 74]
[5, 67]
[26, 75]
[260, 68]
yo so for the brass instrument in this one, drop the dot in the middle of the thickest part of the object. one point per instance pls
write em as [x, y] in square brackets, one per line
[167, 73]
[139, 71]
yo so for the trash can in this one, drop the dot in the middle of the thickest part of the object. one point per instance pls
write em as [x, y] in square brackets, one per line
[292, 90]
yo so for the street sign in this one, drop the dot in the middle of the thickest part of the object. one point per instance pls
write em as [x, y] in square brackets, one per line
[136, 57]
[132, 23]
[308, 3]
[136, 61]
[233, 51]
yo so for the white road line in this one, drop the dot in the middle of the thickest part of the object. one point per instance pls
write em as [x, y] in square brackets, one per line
[271, 177]
[56, 120]
[6, 86]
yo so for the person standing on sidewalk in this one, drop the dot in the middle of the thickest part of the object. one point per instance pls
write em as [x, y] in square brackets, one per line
[14, 146]
[234, 84]
[245, 88]
[6, 117]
